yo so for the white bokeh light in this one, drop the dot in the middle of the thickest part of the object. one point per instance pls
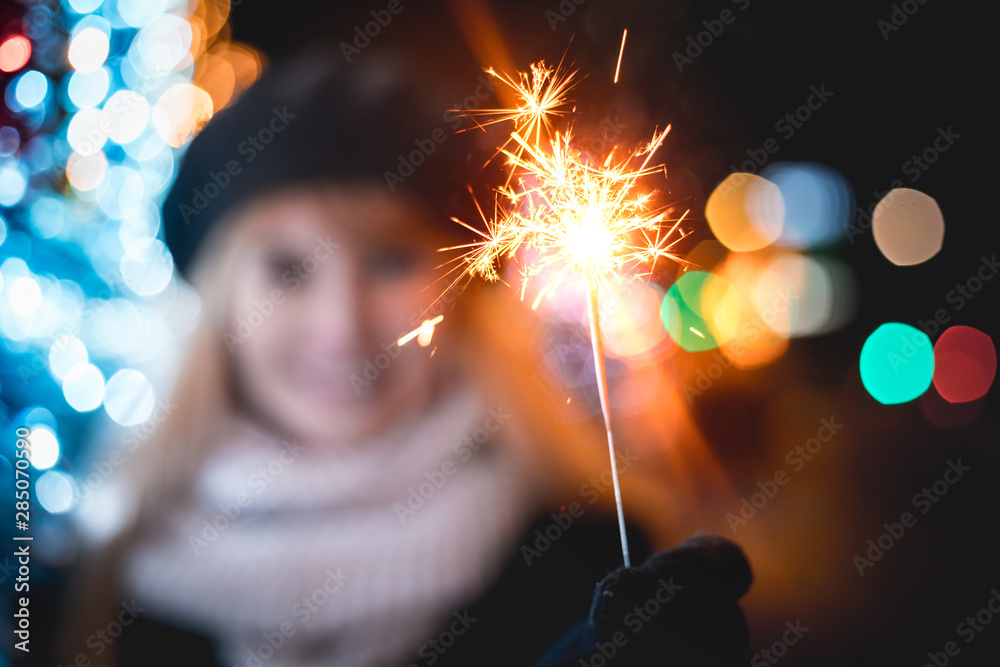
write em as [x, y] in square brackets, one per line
[88, 89]
[66, 352]
[147, 266]
[44, 447]
[84, 6]
[13, 184]
[86, 172]
[88, 49]
[56, 492]
[128, 113]
[83, 387]
[138, 13]
[25, 296]
[31, 89]
[121, 192]
[129, 397]
[86, 132]
[163, 42]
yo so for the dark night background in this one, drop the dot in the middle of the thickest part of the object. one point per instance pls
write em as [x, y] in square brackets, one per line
[890, 97]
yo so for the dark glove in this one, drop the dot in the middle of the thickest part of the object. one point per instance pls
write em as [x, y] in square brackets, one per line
[678, 608]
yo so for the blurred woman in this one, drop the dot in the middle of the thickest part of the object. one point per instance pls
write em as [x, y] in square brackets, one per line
[320, 495]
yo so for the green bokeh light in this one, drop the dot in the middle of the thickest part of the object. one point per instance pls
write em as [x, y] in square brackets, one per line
[897, 363]
[681, 312]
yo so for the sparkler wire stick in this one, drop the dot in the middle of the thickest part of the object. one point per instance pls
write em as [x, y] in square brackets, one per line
[597, 342]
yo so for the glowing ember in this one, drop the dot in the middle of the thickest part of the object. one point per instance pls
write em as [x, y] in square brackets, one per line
[423, 333]
[621, 52]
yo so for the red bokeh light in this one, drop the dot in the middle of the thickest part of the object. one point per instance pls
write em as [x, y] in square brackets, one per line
[965, 363]
[14, 53]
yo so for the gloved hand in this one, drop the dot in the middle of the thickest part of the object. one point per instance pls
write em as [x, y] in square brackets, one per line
[677, 608]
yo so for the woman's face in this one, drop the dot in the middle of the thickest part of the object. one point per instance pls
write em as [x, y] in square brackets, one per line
[330, 281]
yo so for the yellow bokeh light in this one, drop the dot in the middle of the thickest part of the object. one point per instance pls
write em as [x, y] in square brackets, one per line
[721, 309]
[180, 112]
[755, 325]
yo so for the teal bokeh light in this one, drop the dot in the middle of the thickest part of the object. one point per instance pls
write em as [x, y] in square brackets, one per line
[897, 363]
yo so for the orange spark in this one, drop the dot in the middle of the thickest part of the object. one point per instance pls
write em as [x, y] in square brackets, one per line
[423, 333]
[621, 52]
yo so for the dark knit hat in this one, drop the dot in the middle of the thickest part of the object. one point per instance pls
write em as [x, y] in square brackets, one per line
[314, 119]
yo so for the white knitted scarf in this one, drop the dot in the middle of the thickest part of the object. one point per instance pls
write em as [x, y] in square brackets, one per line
[333, 555]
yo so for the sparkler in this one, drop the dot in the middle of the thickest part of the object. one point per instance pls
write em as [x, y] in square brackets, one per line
[568, 215]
